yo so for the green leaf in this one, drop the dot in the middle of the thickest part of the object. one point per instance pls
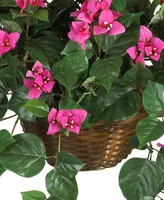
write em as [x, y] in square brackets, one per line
[160, 160]
[106, 71]
[117, 45]
[67, 70]
[5, 3]
[118, 5]
[139, 178]
[33, 195]
[41, 14]
[18, 99]
[139, 75]
[37, 107]
[2, 169]
[69, 164]
[5, 139]
[11, 26]
[60, 186]
[3, 101]
[158, 16]
[26, 157]
[149, 129]
[46, 49]
[73, 47]
[128, 18]
[153, 99]
[147, 198]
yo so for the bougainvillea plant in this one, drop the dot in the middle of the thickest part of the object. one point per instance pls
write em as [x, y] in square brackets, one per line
[74, 63]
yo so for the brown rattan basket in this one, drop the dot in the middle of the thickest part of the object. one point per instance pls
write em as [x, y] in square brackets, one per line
[103, 146]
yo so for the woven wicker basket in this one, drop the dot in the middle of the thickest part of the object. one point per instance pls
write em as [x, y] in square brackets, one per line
[101, 147]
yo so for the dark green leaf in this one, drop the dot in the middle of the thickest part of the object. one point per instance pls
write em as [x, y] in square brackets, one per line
[2, 169]
[5, 139]
[118, 5]
[5, 3]
[60, 186]
[149, 129]
[153, 99]
[139, 75]
[158, 16]
[117, 45]
[73, 47]
[139, 178]
[37, 107]
[11, 26]
[33, 195]
[69, 164]
[71, 67]
[160, 160]
[46, 49]
[26, 157]
[3, 101]
[147, 198]
[41, 14]
[106, 71]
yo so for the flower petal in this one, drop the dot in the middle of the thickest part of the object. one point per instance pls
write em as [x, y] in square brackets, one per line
[34, 93]
[47, 87]
[145, 34]
[13, 38]
[132, 52]
[98, 30]
[80, 114]
[116, 29]
[28, 83]
[52, 114]
[53, 128]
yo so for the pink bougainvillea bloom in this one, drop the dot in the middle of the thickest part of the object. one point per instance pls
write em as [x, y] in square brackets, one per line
[8, 41]
[35, 3]
[36, 69]
[80, 32]
[72, 119]
[137, 53]
[43, 82]
[48, 81]
[154, 49]
[36, 88]
[108, 25]
[54, 122]
[145, 35]
[88, 11]
[22, 4]
[103, 4]
[160, 145]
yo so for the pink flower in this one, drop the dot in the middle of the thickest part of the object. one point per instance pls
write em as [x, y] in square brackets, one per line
[154, 49]
[145, 35]
[79, 33]
[137, 53]
[103, 4]
[108, 25]
[54, 122]
[43, 82]
[36, 69]
[88, 12]
[22, 4]
[72, 119]
[35, 86]
[35, 3]
[160, 145]
[161, 2]
[8, 41]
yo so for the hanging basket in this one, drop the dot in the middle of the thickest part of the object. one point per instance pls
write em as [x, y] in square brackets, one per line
[103, 146]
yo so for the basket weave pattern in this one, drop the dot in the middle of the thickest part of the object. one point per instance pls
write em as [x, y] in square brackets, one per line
[101, 147]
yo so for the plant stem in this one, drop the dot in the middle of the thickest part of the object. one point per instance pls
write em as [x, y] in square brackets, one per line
[27, 39]
[59, 147]
[99, 47]
[8, 117]
[16, 122]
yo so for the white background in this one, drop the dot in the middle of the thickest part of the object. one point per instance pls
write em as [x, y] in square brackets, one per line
[94, 185]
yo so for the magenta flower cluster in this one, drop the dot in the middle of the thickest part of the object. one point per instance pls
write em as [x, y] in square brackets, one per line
[70, 120]
[42, 81]
[24, 3]
[87, 24]
[8, 41]
[147, 46]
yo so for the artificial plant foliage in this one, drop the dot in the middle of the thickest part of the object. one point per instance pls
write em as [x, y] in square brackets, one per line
[73, 69]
